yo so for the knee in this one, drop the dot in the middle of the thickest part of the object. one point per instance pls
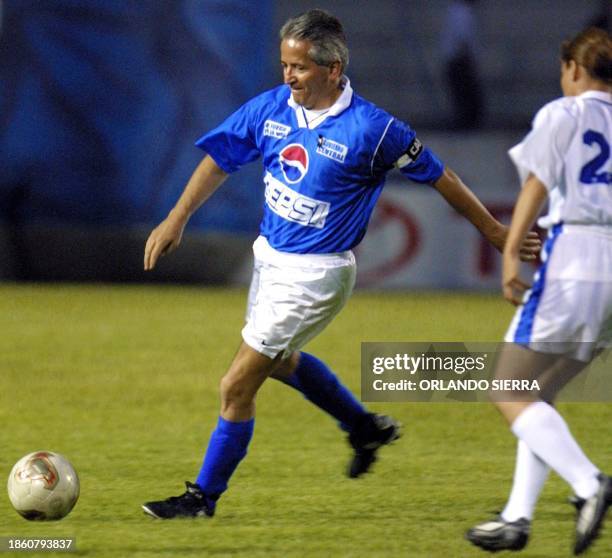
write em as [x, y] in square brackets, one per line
[510, 410]
[235, 393]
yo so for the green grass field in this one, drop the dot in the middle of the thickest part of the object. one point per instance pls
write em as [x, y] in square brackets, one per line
[123, 381]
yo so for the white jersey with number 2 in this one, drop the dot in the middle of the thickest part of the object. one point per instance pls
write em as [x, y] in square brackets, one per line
[569, 307]
[568, 149]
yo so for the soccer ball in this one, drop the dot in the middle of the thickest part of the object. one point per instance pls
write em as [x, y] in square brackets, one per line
[43, 485]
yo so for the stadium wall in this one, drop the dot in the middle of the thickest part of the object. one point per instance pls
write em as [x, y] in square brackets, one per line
[103, 100]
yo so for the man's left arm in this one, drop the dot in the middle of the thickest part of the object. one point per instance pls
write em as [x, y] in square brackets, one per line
[463, 200]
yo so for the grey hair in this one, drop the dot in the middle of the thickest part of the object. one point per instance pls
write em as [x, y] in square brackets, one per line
[324, 31]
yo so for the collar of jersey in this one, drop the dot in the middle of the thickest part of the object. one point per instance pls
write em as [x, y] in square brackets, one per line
[601, 95]
[341, 104]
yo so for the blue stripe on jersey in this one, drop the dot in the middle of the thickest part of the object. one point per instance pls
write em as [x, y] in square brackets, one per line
[522, 335]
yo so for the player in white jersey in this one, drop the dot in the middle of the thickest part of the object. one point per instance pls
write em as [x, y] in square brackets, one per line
[325, 153]
[565, 318]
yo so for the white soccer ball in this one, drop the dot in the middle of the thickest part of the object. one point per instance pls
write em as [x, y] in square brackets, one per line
[43, 485]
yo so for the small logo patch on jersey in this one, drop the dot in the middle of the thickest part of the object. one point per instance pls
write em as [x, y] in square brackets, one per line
[276, 129]
[411, 155]
[294, 162]
[332, 149]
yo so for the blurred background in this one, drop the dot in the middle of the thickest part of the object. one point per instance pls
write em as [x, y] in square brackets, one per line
[101, 102]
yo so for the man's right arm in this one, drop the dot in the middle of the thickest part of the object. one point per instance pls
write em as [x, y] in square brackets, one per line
[166, 237]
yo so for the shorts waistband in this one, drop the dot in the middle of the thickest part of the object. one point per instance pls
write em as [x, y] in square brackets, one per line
[605, 230]
[264, 252]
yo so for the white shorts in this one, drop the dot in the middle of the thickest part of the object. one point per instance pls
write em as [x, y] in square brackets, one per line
[293, 297]
[568, 310]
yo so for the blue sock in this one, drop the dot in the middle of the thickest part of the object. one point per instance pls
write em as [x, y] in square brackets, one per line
[320, 386]
[226, 449]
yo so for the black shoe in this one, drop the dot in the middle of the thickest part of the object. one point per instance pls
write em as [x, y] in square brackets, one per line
[193, 503]
[499, 534]
[369, 435]
[591, 515]
[577, 502]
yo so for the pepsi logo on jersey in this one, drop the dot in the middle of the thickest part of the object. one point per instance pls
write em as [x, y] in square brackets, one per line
[294, 162]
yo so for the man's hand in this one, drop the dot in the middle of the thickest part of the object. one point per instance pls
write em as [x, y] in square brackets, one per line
[164, 239]
[529, 249]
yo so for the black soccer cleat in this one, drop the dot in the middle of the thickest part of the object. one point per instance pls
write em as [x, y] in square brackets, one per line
[372, 432]
[193, 503]
[499, 534]
[577, 502]
[592, 513]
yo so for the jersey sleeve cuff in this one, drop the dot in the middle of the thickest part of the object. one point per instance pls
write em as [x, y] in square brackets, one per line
[216, 156]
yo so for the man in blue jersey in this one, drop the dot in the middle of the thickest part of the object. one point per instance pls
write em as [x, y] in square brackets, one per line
[325, 153]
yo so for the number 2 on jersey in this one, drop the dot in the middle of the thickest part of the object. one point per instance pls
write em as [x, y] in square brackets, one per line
[589, 174]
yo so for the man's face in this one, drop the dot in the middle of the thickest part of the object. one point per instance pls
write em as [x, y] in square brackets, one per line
[312, 86]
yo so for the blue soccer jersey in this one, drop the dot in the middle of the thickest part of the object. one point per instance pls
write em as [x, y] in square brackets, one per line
[322, 178]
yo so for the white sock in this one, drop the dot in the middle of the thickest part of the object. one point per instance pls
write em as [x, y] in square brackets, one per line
[530, 474]
[543, 429]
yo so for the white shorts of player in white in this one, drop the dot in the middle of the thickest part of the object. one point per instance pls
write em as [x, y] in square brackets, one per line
[568, 310]
[293, 297]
